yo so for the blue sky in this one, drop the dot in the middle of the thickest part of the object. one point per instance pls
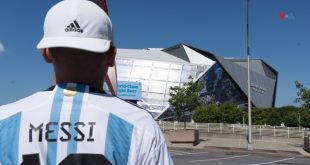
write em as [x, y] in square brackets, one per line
[217, 26]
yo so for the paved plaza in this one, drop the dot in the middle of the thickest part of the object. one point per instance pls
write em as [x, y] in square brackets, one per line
[185, 157]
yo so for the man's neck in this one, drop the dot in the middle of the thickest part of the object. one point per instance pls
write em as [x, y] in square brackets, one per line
[93, 84]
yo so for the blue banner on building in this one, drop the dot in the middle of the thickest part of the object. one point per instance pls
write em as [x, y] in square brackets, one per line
[128, 90]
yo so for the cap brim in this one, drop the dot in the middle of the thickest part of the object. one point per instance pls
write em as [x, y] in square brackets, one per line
[88, 44]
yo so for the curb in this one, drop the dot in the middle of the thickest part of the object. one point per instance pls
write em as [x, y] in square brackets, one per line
[240, 150]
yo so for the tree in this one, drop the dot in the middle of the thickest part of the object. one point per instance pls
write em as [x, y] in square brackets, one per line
[286, 110]
[185, 99]
[259, 116]
[230, 113]
[291, 119]
[200, 114]
[207, 114]
[303, 94]
[305, 117]
[273, 117]
[289, 115]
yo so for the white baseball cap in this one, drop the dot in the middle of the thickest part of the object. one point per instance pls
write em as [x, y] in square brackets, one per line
[79, 24]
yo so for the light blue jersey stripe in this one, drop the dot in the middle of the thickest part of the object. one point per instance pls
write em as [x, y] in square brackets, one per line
[75, 116]
[55, 116]
[9, 140]
[118, 140]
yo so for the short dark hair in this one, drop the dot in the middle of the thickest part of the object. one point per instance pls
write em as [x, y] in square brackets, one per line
[59, 50]
[71, 56]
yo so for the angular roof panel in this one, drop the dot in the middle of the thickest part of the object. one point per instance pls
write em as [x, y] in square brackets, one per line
[154, 55]
[262, 87]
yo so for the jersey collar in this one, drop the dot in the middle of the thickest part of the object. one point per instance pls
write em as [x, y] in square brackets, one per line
[74, 85]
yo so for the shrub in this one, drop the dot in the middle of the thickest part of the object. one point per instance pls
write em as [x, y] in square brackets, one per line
[207, 114]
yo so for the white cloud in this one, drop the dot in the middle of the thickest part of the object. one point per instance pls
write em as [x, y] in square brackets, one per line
[1, 48]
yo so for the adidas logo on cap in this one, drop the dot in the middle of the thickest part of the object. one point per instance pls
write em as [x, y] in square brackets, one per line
[74, 27]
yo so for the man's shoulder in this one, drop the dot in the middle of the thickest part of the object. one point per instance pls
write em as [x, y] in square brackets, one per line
[118, 106]
[23, 104]
[124, 110]
[141, 120]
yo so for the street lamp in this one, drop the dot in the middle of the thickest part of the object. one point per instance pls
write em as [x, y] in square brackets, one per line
[243, 119]
[299, 121]
[249, 80]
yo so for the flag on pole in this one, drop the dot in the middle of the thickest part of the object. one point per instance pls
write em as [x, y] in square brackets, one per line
[111, 78]
[102, 4]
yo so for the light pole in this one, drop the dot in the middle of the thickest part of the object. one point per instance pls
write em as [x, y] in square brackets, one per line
[242, 119]
[299, 121]
[249, 79]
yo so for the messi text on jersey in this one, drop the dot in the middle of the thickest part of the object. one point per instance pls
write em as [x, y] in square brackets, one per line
[78, 131]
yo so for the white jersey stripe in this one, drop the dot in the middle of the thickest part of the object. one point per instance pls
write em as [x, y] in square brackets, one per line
[75, 117]
[118, 140]
[97, 118]
[55, 116]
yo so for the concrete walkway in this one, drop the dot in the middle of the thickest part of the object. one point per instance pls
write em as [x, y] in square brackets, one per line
[240, 145]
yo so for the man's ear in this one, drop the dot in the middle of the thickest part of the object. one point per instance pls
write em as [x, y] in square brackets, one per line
[47, 55]
[111, 56]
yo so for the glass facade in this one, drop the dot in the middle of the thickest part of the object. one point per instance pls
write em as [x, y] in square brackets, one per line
[219, 87]
[156, 77]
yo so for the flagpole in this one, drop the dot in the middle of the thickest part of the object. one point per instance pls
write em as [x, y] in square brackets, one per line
[249, 138]
[111, 77]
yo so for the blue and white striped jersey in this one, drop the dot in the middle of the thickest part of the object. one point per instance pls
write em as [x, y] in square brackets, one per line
[71, 123]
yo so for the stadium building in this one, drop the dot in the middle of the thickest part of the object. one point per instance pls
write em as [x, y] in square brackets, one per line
[224, 79]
